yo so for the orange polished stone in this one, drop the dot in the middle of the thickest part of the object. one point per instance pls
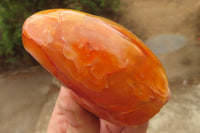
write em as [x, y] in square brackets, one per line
[111, 72]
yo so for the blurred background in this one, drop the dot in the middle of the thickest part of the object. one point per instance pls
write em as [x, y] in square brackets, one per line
[170, 28]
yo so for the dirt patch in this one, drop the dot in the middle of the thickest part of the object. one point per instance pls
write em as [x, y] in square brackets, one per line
[148, 18]
[192, 20]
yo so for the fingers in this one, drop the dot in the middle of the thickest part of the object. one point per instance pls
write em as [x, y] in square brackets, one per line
[78, 120]
[70, 117]
[107, 127]
[58, 122]
[138, 129]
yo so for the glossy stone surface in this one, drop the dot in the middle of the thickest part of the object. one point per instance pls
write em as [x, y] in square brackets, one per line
[111, 72]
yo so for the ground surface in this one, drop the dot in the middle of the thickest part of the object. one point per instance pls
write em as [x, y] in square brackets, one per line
[27, 96]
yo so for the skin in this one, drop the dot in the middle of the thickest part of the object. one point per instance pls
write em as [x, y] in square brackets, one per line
[70, 117]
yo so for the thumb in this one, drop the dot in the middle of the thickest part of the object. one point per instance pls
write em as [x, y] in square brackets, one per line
[80, 120]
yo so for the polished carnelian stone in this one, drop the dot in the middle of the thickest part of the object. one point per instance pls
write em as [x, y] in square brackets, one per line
[109, 70]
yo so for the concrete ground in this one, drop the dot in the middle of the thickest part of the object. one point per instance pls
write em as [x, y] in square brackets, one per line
[22, 97]
[27, 96]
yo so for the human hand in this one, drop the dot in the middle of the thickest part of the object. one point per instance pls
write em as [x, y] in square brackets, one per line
[69, 117]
